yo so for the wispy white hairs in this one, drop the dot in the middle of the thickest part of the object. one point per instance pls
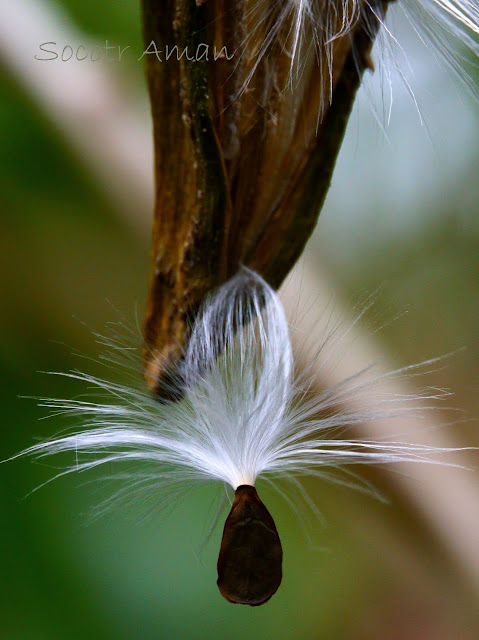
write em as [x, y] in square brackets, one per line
[245, 412]
[451, 30]
[310, 28]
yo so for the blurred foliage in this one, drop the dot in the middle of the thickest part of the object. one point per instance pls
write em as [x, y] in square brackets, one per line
[68, 264]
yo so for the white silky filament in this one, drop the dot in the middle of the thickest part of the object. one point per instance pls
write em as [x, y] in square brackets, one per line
[448, 27]
[246, 412]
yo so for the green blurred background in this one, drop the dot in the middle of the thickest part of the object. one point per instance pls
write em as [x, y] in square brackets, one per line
[402, 215]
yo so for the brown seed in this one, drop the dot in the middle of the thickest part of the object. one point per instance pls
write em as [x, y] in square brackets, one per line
[250, 559]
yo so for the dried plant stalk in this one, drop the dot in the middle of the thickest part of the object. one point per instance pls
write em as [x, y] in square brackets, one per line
[245, 146]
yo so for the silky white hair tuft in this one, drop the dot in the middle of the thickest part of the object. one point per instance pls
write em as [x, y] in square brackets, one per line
[244, 411]
[308, 29]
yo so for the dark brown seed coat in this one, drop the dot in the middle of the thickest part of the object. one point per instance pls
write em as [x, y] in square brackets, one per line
[250, 559]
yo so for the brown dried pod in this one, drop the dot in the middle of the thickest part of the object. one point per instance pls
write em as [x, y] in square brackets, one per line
[243, 160]
[250, 559]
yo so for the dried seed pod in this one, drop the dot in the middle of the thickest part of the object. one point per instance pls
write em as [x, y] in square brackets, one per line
[250, 559]
[245, 145]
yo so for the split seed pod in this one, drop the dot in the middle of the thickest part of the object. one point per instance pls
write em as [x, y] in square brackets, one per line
[245, 144]
[250, 101]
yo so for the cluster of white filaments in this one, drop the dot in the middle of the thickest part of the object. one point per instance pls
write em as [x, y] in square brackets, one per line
[448, 27]
[245, 411]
